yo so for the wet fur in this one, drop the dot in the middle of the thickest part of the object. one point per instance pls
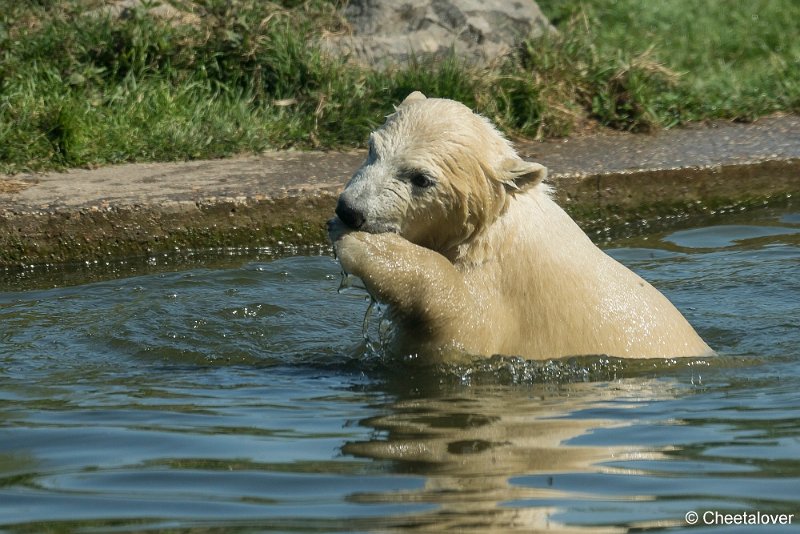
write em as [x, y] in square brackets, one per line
[484, 262]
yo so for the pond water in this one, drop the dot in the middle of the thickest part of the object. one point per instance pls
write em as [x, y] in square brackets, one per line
[240, 398]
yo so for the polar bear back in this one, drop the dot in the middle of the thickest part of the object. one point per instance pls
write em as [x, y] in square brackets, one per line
[558, 294]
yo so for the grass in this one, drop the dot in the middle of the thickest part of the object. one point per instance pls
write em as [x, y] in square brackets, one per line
[734, 60]
[82, 88]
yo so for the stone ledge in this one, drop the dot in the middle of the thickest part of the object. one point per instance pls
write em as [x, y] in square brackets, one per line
[281, 199]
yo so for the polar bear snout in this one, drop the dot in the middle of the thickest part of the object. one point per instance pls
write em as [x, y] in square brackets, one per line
[352, 217]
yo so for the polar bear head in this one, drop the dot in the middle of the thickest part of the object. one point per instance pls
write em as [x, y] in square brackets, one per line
[436, 173]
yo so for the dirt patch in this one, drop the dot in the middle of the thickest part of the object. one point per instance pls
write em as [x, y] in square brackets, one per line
[10, 186]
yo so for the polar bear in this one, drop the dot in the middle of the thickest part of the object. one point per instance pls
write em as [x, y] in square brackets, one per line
[458, 236]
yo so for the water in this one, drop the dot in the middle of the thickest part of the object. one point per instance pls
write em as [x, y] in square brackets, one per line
[238, 398]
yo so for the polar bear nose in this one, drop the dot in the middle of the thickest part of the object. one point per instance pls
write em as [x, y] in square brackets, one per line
[349, 215]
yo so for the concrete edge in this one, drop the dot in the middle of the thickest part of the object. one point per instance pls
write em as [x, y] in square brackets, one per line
[601, 203]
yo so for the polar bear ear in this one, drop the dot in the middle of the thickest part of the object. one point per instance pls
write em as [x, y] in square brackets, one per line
[416, 96]
[518, 173]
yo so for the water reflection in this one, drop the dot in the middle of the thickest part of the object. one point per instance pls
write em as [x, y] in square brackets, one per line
[470, 442]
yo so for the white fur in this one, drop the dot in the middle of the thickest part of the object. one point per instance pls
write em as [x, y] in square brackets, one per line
[483, 261]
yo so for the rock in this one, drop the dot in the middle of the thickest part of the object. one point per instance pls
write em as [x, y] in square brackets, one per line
[390, 33]
[122, 9]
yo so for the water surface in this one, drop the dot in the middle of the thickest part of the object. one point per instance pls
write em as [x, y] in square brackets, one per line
[239, 397]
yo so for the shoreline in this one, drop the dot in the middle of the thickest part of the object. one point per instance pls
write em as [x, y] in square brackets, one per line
[283, 198]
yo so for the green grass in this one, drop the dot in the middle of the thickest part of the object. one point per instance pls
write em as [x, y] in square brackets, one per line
[85, 90]
[736, 60]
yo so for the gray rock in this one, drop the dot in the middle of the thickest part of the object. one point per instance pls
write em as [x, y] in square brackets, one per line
[122, 9]
[478, 31]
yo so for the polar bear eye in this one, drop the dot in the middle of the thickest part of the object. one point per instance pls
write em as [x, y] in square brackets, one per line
[420, 179]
